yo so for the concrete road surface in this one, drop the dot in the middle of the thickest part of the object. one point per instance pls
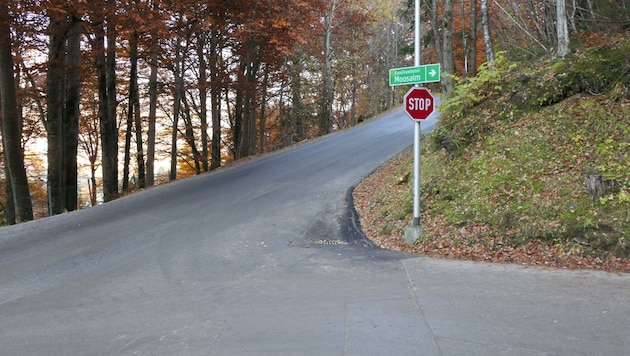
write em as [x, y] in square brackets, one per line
[263, 259]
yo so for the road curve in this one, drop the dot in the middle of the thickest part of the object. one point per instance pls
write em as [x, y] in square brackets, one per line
[162, 270]
[232, 263]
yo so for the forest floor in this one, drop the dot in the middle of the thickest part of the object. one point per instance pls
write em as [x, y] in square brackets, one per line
[445, 239]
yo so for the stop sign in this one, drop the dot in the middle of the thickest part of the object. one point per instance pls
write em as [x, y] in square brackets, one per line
[419, 103]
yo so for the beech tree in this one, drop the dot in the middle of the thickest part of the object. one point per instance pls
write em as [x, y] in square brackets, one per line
[203, 93]
[104, 27]
[10, 123]
[152, 114]
[154, 13]
[177, 68]
[134, 122]
[63, 98]
[206, 82]
[216, 40]
[259, 50]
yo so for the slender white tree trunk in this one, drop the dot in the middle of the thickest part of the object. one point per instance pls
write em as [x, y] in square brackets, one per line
[487, 38]
[562, 29]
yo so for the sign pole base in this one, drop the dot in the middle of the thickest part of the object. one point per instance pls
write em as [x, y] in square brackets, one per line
[413, 234]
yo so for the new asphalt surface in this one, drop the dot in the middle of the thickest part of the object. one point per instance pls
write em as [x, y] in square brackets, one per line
[264, 258]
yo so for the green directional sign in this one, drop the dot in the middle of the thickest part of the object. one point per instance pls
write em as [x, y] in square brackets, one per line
[415, 75]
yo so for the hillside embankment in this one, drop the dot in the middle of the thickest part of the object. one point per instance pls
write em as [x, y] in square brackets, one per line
[530, 164]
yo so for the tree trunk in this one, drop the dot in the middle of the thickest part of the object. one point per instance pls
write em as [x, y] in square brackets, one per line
[203, 94]
[54, 117]
[134, 121]
[236, 119]
[215, 99]
[92, 180]
[111, 126]
[487, 37]
[190, 135]
[62, 123]
[9, 208]
[326, 115]
[177, 100]
[250, 66]
[128, 133]
[464, 34]
[353, 94]
[562, 29]
[150, 175]
[472, 65]
[90, 143]
[103, 112]
[297, 105]
[244, 143]
[138, 125]
[106, 64]
[449, 58]
[263, 106]
[11, 123]
[99, 62]
[70, 125]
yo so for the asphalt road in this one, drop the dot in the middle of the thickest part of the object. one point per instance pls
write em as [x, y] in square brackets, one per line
[230, 263]
[223, 263]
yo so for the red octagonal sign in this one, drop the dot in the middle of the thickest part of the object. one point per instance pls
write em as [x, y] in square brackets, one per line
[419, 103]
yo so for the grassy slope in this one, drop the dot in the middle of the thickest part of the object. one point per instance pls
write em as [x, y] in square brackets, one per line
[503, 177]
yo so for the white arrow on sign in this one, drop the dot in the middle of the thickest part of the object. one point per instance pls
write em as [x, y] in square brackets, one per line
[432, 73]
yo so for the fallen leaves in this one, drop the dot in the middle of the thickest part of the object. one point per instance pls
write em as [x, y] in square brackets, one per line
[476, 242]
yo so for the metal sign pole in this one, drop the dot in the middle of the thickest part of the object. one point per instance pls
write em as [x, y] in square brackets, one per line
[417, 35]
[414, 232]
[418, 129]
[416, 174]
[419, 105]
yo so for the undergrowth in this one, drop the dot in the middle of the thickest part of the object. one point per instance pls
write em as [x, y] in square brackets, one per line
[516, 144]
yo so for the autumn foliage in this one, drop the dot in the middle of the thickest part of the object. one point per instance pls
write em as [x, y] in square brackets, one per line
[117, 95]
